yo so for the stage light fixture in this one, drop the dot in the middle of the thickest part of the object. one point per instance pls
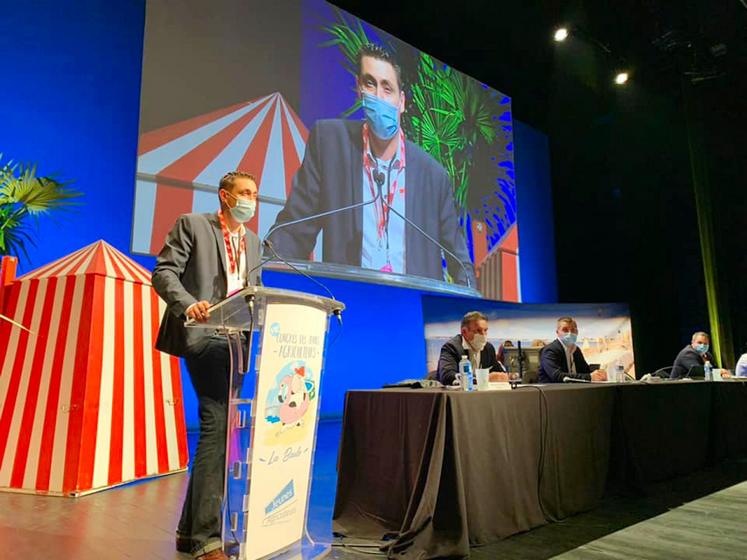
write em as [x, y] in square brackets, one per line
[621, 78]
[561, 34]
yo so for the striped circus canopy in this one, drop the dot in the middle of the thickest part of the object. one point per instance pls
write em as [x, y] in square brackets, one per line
[179, 166]
[86, 402]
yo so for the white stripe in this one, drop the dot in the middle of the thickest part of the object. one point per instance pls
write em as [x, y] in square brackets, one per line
[42, 270]
[11, 354]
[101, 459]
[128, 431]
[59, 449]
[6, 469]
[273, 174]
[151, 443]
[142, 216]
[32, 465]
[298, 140]
[159, 158]
[137, 273]
[82, 265]
[231, 156]
[109, 266]
[168, 406]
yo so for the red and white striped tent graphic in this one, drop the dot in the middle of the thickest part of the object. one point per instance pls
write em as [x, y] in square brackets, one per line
[86, 402]
[179, 166]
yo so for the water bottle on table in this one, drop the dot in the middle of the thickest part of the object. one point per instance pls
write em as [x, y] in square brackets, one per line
[465, 372]
[708, 371]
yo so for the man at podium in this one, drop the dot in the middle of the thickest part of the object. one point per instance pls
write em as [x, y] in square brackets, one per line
[205, 258]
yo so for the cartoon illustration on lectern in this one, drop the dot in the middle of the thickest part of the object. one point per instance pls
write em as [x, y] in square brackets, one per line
[289, 400]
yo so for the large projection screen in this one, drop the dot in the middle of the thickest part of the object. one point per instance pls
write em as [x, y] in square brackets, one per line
[274, 88]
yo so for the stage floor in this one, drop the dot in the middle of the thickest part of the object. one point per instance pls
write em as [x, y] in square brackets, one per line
[699, 516]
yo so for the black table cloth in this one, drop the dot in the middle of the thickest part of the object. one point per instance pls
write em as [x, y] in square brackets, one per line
[439, 471]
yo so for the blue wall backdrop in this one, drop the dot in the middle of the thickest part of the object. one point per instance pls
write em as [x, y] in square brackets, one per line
[72, 104]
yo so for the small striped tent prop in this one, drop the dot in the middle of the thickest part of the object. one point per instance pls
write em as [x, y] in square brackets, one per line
[86, 402]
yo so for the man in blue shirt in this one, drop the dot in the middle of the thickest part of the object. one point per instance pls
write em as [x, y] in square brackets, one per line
[349, 162]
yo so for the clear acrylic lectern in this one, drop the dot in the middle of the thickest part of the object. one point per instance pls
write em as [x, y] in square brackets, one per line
[273, 410]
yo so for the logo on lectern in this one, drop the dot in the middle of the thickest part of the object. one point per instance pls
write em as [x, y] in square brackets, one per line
[281, 506]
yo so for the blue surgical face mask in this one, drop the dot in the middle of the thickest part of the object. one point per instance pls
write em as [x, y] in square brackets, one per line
[701, 348]
[382, 117]
[244, 209]
[569, 339]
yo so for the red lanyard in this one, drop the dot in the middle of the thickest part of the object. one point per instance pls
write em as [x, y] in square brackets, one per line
[233, 260]
[370, 164]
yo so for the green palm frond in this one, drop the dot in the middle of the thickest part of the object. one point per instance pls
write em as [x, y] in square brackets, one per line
[23, 197]
[448, 114]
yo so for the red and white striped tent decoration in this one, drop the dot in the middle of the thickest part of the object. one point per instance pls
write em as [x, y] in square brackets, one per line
[179, 166]
[86, 402]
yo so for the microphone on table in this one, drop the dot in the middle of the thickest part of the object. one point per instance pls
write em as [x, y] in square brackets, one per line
[380, 182]
[567, 379]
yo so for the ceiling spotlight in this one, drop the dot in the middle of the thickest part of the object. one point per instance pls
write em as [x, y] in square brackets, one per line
[561, 34]
[621, 78]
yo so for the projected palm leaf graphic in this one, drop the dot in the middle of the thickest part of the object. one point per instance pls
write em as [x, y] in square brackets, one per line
[447, 114]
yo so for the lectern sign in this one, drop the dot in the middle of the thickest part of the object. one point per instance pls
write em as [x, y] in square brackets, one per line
[285, 417]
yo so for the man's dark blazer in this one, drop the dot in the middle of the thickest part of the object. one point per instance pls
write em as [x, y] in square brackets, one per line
[191, 267]
[452, 352]
[687, 359]
[331, 177]
[554, 367]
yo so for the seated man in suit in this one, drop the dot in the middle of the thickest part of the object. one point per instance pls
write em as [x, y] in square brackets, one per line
[348, 162]
[562, 358]
[472, 340]
[694, 354]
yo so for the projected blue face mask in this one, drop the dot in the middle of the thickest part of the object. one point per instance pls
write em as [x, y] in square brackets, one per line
[381, 116]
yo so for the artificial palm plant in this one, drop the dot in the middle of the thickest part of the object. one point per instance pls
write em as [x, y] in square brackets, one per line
[24, 197]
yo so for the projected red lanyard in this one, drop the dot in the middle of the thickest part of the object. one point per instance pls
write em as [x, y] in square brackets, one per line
[381, 210]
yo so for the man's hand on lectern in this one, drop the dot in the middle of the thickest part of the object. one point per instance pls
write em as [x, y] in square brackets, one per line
[199, 311]
[599, 375]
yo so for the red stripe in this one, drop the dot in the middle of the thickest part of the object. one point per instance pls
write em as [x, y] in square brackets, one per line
[11, 301]
[189, 166]
[97, 264]
[508, 277]
[141, 459]
[15, 374]
[117, 271]
[92, 403]
[38, 349]
[171, 202]
[155, 138]
[138, 273]
[290, 157]
[55, 380]
[78, 390]
[181, 425]
[256, 153]
[117, 428]
[155, 356]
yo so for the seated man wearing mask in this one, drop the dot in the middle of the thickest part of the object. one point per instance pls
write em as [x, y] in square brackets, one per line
[562, 358]
[694, 354]
[472, 340]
